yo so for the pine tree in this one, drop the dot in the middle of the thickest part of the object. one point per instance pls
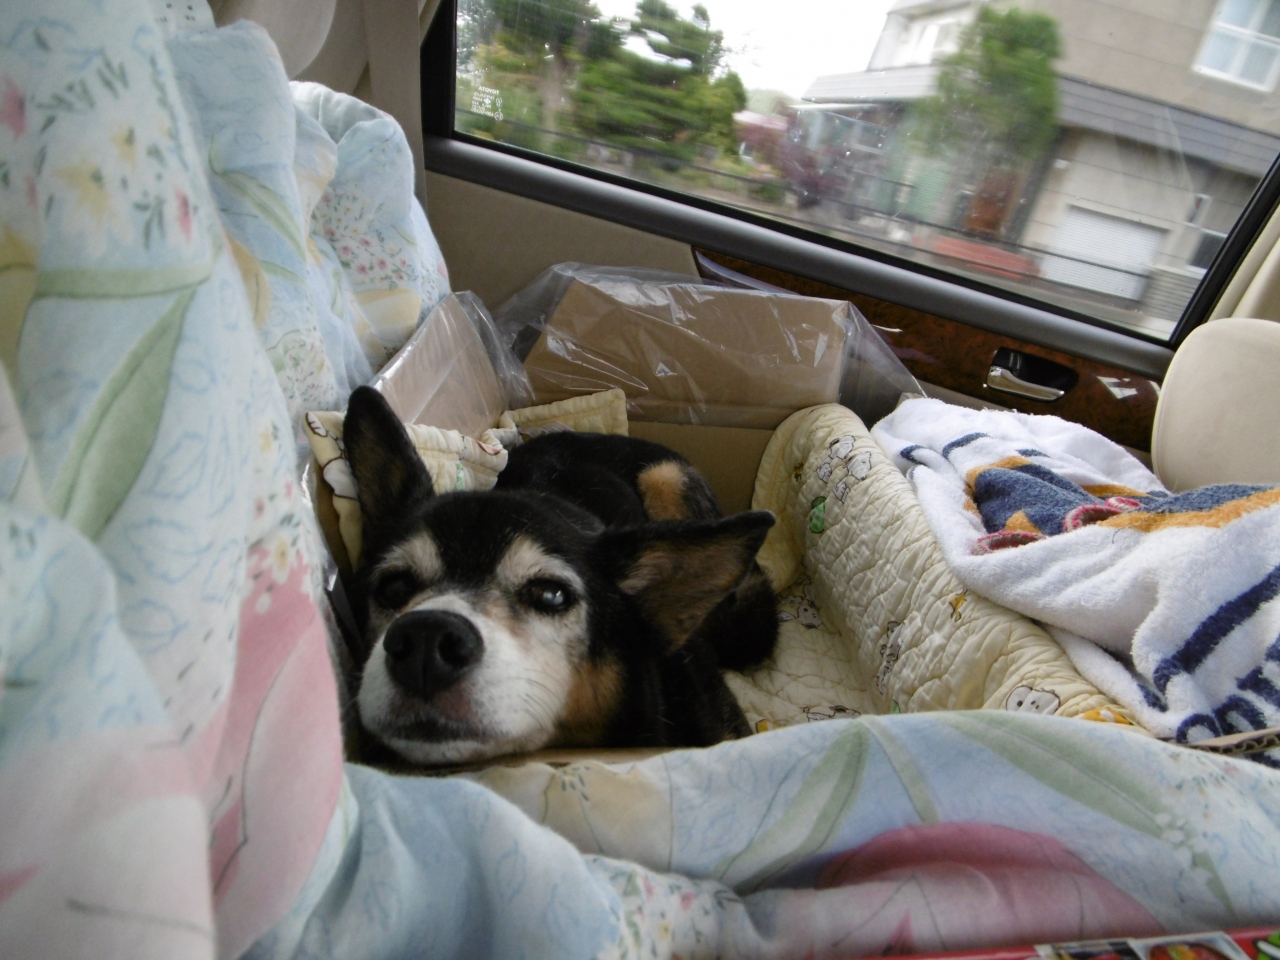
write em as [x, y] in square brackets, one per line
[668, 100]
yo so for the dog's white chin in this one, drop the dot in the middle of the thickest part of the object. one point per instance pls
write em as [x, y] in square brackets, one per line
[460, 751]
[380, 700]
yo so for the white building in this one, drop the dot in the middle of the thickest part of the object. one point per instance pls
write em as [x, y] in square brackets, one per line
[1168, 115]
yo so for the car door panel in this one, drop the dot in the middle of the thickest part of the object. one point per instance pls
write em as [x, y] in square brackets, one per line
[690, 220]
[1118, 403]
[503, 218]
[496, 242]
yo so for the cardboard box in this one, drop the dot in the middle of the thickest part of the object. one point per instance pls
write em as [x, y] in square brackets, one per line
[442, 377]
[694, 355]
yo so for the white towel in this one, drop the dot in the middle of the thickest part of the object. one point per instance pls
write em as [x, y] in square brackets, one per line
[1164, 601]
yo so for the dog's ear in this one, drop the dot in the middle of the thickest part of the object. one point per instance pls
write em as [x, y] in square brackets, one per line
[678, 571]
[390, 476]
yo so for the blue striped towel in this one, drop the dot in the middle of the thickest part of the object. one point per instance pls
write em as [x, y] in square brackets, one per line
[1165, 601]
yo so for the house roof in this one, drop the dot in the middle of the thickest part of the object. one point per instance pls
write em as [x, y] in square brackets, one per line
[870, 86]
[1082, 105]
[749, 118]
[1163, 125]
[925, 6]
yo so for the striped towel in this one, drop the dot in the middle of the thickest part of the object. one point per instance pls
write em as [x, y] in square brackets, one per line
[1163, 600]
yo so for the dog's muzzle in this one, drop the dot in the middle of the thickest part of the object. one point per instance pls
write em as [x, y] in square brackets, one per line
[430, 650]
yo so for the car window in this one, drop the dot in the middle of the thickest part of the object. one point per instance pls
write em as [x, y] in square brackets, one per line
[1090, 156]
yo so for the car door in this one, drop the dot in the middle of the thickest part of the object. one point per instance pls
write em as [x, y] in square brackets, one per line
[1054, 272]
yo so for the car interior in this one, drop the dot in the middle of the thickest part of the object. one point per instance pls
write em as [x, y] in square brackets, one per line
[812, 307]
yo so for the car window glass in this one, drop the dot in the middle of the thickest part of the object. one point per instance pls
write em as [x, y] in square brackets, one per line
[1092, 156]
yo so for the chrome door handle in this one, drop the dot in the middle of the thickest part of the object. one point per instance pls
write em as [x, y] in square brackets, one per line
[999, 378]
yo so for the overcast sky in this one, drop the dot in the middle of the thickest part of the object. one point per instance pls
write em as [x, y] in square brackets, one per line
[784, 46]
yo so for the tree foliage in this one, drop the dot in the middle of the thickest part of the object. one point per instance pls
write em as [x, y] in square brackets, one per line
[549, 26]
[670, 35]
[729, 95]
[669, 100]
[655, 82]
[997, 95]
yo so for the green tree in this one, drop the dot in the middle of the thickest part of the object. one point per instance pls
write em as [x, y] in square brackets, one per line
[996, 104]
[672, 36]
[667, 101]
[538, 26]
[728, 96]
[477, 22]
[529, 48]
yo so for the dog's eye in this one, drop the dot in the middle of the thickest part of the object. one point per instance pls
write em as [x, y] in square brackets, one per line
[547, 596]
[395, 589]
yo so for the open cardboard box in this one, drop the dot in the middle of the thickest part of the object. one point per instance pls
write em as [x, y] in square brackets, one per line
[692, 353]
[443, 377]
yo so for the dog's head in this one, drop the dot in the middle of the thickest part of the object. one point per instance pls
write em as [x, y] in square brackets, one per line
[505, 621]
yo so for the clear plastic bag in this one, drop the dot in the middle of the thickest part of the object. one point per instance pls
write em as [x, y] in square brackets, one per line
[511, 373]
[875, 381]
[456, 372]
[690, 352]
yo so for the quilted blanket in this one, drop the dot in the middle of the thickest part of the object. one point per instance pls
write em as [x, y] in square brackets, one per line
[1164, 600]
[173, 294]
[874, 619]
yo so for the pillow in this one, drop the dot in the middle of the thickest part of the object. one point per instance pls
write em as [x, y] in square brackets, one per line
[604, 412]
[454, 460]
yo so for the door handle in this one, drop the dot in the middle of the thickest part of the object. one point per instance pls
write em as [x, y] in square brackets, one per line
[1027, 375]
[1002, 379]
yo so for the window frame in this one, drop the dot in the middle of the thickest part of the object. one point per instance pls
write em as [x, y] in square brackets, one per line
[938, 47]
[744, 234]
[1249, 35]
[1203, 232]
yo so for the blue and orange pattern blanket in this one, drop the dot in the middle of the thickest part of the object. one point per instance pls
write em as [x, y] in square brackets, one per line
[1164, 600]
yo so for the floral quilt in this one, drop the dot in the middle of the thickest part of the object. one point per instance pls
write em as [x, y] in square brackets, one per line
[171, 772]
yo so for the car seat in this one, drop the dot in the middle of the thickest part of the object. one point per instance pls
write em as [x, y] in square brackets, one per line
[1216, 421]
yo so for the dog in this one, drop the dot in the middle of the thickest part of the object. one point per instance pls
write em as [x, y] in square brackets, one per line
[591, 599]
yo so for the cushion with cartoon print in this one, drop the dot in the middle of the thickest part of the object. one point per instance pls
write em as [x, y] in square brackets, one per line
[454, 460]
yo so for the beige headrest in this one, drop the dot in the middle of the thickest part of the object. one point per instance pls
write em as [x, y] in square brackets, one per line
[1219, 415]
[299, 27]
[340, 62]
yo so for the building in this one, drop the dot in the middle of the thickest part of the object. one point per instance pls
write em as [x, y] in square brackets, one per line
[1169, 115]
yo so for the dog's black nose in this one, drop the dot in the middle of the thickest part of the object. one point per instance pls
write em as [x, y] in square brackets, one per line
[429, 650]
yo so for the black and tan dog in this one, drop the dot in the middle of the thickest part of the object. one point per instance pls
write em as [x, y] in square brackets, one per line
[591, 599]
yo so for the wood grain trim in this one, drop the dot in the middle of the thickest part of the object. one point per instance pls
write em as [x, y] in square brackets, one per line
[1117, 403]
